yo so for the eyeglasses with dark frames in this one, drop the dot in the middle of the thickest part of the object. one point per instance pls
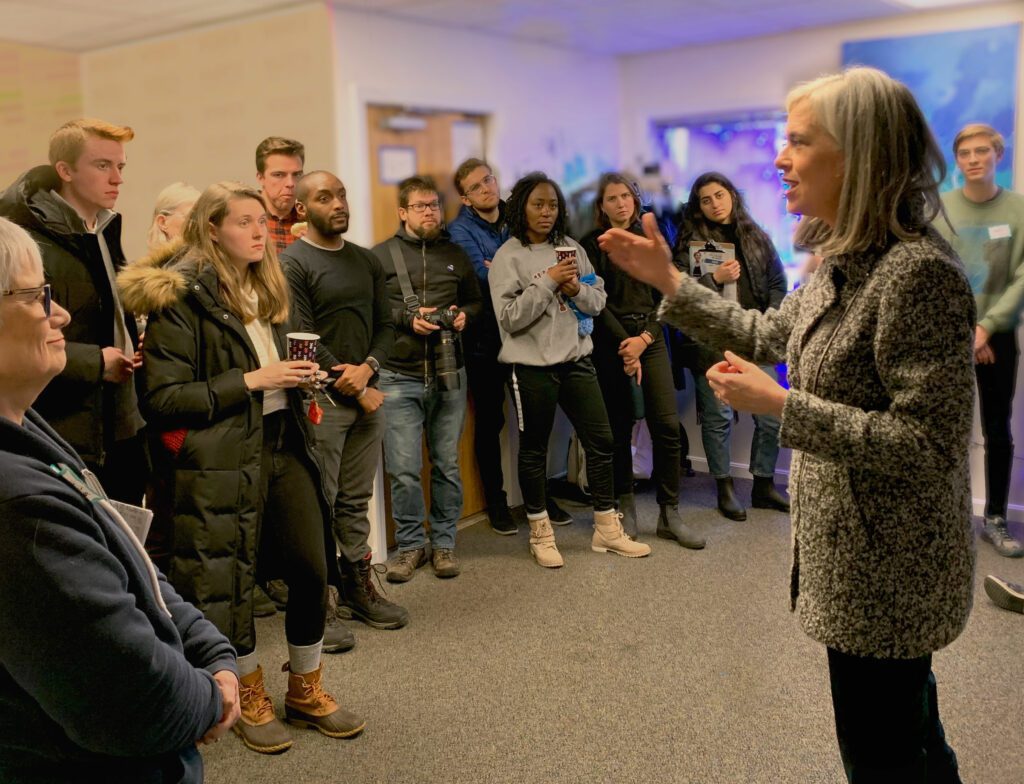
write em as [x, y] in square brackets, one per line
[43, 294]
[420, 207]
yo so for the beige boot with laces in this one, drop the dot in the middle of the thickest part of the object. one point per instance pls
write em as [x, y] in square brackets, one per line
[610, 538]
[542, 543]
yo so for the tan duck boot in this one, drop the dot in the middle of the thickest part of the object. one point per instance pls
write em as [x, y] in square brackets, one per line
[307, 705]
[258, 727]
[610, 538]
[542, 543]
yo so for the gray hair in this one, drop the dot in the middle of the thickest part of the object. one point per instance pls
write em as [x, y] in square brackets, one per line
[167, 201]
[16, 247]
[892, 164]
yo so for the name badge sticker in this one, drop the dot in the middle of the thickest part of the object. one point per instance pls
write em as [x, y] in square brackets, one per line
[1001, 232]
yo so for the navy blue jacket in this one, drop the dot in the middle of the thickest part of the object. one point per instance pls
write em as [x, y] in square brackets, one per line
[481, 241]
[97, 681]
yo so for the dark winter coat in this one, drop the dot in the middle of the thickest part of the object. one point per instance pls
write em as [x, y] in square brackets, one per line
[441, 275]
[105, 673]
[879, 414]
[480, 240]
[195, 355]
[78, 404]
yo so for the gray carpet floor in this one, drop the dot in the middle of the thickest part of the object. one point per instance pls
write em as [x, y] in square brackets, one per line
[681, 667]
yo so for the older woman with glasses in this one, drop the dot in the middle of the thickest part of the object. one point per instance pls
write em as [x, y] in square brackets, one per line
[879, 346]
[106, 674]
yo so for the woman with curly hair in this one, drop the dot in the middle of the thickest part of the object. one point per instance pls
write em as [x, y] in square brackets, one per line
[545, 296]
[717, 213]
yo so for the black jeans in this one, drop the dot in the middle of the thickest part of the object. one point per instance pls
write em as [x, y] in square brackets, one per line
[996, 383]
[125, 470]
[887, 721]
[573, 386]
[487, 379]
[659, 411]
[292, 530]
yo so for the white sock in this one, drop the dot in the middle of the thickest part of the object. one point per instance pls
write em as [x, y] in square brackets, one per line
[247, 664]
[536, 515]
[304, 658]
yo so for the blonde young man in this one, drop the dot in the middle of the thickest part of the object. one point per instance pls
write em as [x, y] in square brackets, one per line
[989, 238]
[68, 208]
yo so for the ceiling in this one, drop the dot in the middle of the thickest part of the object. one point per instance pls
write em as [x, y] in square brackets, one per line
[614, 27]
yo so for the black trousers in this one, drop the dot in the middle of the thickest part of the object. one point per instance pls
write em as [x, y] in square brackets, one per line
[487, 381]
[292, 530]
[659, 412]
[574, 387]
[125, 469]
[996, 384]
[887, 721]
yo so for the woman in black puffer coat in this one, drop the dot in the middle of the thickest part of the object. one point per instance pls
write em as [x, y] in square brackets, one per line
[247, 485]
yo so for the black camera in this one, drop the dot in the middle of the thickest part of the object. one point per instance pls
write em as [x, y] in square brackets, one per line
[445, 319]
[446, 358]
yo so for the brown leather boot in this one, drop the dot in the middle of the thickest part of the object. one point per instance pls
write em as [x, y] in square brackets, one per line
[307, 705]
[258, 727]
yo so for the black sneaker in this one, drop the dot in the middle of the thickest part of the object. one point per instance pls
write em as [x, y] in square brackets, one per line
[1009, 596]
[556, 514]
[360, 599]
[502, 522]
[338, 638]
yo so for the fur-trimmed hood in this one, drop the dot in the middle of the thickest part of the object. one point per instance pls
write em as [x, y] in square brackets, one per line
[154, 281]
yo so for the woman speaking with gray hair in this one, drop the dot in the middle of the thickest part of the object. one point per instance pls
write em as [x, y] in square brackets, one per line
[878, 413]
[105, 673]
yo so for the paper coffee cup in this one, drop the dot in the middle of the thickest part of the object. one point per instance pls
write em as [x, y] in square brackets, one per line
[302, 346]
[566, 252]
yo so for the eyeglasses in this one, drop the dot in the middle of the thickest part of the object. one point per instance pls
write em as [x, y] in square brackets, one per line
[42, 294]
[418, 207]
[489, 180]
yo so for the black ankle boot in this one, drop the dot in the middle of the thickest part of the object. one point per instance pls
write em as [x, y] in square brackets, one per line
[359, 595]
[671, 526]
[556, 514]
[766, 496]
[727, 503]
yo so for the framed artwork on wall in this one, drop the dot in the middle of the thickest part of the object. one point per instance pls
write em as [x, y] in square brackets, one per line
[960, 77]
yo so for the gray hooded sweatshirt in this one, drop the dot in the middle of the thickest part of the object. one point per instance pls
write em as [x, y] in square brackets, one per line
[537, 325]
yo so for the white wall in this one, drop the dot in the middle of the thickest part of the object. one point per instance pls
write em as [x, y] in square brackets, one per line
[201, 100]
[757, 74]
[544, 103]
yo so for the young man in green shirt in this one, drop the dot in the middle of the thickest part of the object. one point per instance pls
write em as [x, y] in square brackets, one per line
[989, 238]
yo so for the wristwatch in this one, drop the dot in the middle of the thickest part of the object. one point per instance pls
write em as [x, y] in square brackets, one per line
[373, 363]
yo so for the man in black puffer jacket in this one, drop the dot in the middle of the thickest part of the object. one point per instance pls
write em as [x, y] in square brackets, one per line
[67, 207]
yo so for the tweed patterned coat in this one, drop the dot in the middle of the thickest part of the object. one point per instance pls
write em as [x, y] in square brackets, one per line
[879, 416]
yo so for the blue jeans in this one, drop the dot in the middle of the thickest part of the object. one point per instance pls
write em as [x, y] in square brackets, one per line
[411, 407]
[716, 426]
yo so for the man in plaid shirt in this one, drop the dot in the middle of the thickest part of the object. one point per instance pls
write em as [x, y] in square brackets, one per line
[279, 163]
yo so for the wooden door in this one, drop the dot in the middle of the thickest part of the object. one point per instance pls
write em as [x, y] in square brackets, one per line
[428, 150]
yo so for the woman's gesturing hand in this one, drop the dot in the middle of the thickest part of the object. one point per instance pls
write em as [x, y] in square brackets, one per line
[281, 375]
[745, 387]
[647, 258]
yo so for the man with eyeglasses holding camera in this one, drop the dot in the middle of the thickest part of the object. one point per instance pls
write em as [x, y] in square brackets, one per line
[434, 295]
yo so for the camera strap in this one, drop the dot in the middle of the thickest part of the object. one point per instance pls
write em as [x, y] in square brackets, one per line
[412, 302]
